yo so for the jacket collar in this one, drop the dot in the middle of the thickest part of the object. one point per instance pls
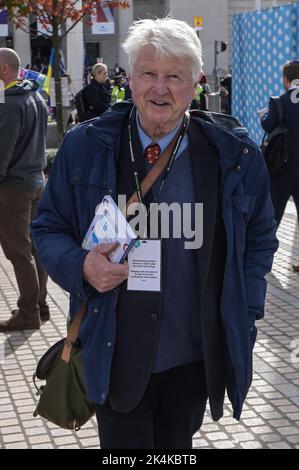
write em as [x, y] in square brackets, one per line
[108, 128]
[234, 148]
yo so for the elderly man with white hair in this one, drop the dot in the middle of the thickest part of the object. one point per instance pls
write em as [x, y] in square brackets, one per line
[155, 352]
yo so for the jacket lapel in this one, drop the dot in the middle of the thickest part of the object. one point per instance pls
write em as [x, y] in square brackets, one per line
[205, 169]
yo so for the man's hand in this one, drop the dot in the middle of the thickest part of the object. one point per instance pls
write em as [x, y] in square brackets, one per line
[101, 273]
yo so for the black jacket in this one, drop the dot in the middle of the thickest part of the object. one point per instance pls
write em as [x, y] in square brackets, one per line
[23, 125]
[290, 106]
[97, 99]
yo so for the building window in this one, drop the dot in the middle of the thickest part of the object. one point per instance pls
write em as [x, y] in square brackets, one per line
[92, 52]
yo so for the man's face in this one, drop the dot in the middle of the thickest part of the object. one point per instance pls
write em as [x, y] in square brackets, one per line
[162, 89]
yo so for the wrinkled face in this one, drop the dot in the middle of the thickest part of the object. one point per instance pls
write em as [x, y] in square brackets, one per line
[101, 76]
[162, 89]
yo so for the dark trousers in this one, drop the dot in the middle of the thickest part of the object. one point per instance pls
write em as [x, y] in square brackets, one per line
[170, 412]
[282, 187]
[17, 210]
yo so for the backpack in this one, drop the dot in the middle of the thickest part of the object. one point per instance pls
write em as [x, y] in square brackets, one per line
[81, 106]
[276, 147]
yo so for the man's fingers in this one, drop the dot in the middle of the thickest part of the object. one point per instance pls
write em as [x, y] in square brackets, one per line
[106, 248]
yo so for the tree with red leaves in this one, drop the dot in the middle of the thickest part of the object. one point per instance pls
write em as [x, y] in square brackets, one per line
[53, 16]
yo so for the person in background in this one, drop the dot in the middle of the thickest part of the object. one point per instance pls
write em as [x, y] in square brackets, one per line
[153, 357]
[226, 90]
[206, 90]
[23, 125]
[97, 94]
[285, 183]
[118, 70]
[118, 90]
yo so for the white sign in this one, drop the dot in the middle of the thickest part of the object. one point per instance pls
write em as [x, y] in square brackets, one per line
[64, 90]
[102, 21]
[145, 266]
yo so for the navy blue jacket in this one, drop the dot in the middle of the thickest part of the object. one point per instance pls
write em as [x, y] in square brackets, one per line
[290, 114]
[84, 171]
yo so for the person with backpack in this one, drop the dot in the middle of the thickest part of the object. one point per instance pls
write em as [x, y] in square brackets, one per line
[284, 111]
[161, 339]
[95, 98]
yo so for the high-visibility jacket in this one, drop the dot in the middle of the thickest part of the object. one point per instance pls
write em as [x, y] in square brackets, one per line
[118, 94]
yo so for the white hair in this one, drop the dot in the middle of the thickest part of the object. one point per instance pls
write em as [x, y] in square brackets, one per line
[169, 37]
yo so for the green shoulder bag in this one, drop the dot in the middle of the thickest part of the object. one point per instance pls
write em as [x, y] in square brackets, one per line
[63, 399]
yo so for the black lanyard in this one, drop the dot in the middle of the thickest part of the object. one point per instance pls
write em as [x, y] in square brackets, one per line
[170, 160]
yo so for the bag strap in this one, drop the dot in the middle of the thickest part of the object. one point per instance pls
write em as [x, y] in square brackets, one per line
[279, 109]
[157, 169]
[73, 333]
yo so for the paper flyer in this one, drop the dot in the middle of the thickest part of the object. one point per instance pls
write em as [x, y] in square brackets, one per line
[108, 226]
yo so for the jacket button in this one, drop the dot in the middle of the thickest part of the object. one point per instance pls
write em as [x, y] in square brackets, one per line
[95, 310]
[246, 150]
[154, 316]
[109, 344]
[238, 168]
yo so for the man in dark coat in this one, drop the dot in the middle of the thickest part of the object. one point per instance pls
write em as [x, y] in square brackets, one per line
[285, 183]
[154, 352]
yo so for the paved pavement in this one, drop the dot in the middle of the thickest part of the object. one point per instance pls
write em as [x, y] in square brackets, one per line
[271, 413]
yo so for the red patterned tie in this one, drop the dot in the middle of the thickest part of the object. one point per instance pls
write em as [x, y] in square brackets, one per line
[152, 153]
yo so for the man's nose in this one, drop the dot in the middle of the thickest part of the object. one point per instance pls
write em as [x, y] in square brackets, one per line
[160, 85]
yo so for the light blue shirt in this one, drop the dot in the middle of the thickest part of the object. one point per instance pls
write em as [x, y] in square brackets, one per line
[164, 142]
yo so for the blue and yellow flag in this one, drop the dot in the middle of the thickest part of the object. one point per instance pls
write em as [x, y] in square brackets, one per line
[47, 83]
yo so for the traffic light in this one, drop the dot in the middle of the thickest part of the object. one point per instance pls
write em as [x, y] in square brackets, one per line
[223, 46]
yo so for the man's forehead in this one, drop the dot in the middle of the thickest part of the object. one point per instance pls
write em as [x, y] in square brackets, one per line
[165, 63]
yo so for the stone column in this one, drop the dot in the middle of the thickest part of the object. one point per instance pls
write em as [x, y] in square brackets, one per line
[21, 41]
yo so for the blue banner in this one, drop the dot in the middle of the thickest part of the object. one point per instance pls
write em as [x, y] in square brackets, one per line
[262, 42]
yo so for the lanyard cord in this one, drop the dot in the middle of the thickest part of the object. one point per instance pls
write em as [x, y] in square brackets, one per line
[170, 161]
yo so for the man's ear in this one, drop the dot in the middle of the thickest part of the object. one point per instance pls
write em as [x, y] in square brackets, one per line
[286, 82]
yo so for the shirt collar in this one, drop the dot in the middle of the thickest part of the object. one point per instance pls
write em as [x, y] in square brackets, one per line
[146, 140]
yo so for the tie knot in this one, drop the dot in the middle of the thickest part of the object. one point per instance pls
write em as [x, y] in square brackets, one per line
[152, 153]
